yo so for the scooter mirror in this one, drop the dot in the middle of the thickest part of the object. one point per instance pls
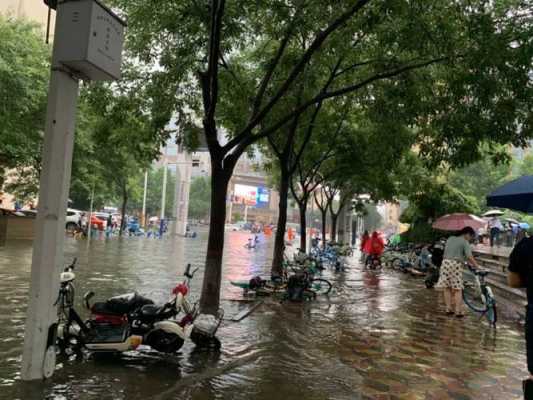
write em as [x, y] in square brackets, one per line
[188, 271]
[88, 296]
[72, 265]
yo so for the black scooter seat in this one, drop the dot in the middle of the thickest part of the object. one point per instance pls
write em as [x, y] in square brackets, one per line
[102, 308]
[120, 305]
[150, 310]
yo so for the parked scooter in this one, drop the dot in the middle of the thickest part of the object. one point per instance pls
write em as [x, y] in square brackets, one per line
[124, 322]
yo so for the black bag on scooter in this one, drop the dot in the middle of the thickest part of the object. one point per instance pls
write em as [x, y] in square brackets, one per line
[256, 282]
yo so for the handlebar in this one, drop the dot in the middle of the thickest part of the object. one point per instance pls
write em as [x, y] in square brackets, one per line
[188, 272]
[477, 271]
[72, 265]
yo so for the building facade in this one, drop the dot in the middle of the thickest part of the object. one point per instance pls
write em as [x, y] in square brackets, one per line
[33, 10]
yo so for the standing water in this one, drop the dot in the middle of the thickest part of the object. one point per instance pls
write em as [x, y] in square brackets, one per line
[377, 336]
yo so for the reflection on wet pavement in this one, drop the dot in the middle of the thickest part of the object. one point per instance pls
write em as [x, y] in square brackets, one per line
[377, 336]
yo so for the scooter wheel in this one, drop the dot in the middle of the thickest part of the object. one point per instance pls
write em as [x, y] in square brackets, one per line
[164, 342]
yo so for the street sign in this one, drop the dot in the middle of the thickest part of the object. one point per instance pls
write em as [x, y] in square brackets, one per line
[89, 40]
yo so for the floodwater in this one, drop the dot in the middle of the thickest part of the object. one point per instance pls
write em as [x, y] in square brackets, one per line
[377, 336]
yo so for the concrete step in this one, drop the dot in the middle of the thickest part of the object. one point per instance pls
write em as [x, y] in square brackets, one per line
[497, 259]
[501, 263]
[517, 296]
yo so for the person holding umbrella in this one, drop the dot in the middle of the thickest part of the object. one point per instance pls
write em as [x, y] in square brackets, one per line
[518, 195]
[456, 252]
[495, 227]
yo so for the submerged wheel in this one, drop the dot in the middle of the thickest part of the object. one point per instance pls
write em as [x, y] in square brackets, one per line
[71, 226]
[492, 314]
[164, 342]
[473, 298]
[396, 263]
[320, 286]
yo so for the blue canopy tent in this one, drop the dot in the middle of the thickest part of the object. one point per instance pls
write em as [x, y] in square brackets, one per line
[515, 195]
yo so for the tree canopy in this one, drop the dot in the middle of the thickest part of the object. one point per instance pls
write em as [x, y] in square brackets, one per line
[24, 73]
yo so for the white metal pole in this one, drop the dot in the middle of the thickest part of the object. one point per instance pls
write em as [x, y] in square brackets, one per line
[245, 213]
[47, 261]
[89, 225]
[311, 224]
[143, 217]
[164, 193]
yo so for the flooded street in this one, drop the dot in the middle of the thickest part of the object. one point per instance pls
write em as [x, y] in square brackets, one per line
[377, 336]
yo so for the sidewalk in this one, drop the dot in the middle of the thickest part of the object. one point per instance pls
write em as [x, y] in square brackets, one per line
[495, 251]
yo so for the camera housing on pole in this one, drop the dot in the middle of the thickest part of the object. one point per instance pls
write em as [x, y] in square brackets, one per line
[89, 40]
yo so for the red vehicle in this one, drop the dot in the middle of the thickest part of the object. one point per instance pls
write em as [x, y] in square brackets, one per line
[98, 222]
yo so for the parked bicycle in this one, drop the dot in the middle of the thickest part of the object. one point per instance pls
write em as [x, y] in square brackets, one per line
[478, 295]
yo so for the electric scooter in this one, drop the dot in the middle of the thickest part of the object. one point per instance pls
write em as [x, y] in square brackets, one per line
[124, 322]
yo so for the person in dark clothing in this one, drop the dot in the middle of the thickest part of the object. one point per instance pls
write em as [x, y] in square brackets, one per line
[520, 275]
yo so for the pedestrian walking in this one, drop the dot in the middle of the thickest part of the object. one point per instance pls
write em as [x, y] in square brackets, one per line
[520, 275]
[109, 226]
[495, 227]
[364, 239]
[456, 252]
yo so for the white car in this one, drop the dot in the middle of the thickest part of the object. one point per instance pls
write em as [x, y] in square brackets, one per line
[73, 219]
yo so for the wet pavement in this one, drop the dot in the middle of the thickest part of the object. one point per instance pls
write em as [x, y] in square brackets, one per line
[377, 336]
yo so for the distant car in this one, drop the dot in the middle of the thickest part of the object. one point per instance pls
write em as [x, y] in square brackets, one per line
[102, 216]
[98, 221]
[232, 227]
[73, 219]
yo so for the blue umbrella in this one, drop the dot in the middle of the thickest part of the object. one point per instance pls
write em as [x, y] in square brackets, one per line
[524, 225]
[515, 195]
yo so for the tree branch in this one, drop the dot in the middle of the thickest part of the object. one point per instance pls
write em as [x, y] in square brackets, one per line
[348, 89]
[272, 67]
[320, 38]
[230, 71]
[214, 50]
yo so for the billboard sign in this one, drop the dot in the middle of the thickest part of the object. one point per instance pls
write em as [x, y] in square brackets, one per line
[253, 196]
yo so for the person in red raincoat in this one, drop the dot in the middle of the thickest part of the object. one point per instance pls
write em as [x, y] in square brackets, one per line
[375, 245]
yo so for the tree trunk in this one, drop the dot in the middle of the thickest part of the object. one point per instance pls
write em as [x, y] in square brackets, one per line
[303, 225]
[122, 210]
[210, 299]
[333, 232]
[324, 222]
[341, 222]
[279, 242]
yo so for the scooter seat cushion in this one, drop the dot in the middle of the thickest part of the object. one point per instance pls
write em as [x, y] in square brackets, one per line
[101, 308]
[150, 310]
[123, 304]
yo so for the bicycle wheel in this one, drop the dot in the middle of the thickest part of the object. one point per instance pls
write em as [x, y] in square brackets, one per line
[473, 298]
[320, 286]
[491, 314]
[396, 264]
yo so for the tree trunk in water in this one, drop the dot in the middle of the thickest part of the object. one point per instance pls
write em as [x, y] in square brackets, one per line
[333, 233]
[210, 299]
[341, 223]
[303, 226]
[123, 210]
[279, 242]
[324, 217]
